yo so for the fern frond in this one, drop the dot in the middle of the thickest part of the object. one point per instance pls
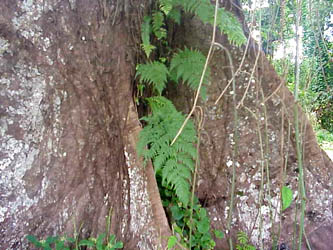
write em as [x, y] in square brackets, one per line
[226, 21]
[146, 30]
[159, 103]
[174, 163]
[175, 15]
[188, 5]
[166, 6]
[230, 26]
[179, 177]
[154, 73]
[186, 161]
[242, 238]
[145, 36]
[188, 65]
[147, 48]
[181, 187]
[158, 22]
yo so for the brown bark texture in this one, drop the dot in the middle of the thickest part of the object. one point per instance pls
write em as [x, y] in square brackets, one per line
[68, 128]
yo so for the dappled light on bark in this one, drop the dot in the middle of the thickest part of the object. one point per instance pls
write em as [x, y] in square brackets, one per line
[69, 128]
[67, 144]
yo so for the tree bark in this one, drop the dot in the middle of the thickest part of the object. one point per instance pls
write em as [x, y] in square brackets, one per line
[68, 128]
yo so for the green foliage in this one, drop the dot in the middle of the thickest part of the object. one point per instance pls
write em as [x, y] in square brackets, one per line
[174, 166]
[243, 242]
[166, 6]
[230, 26]
[175, 15]
[145, 36]
[175, 163]
[324, 136]
[188, 65]
[286, 196]
[65, 243]
[218, 234]
[99, 243]
[158, 23]
[226, 21]
[203, 9]
[200, 224]
[154, 73]
[172, 241]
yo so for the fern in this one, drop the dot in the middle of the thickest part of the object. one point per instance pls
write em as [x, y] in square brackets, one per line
[243, 242]
[230, 26]
[175, 15]
[188, 65]
[166, 6]
[242, 238]
[145, 36]
[226, 21]
[154, 73]
[188, 5]
[158, 22]
[175, 163]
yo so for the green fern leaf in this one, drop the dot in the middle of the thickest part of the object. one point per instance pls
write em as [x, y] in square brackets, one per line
[154, 73]
[226, 21]
[165, 6]
[148, 48]
[182, 188]
[146, 30]
[188, 65]
[174, 163]
[158, 103]
[145, 36]
[158, 22]
[188, 5]
[242, 238]
[175, 15]
[230, 26]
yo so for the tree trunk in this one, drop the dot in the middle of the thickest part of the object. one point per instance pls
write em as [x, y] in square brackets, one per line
[69, 129]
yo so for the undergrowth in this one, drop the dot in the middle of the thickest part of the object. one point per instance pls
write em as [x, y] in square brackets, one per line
[175, 161]
[70, 243]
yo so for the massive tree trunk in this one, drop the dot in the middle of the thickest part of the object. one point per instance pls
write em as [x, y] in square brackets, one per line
[69, 128]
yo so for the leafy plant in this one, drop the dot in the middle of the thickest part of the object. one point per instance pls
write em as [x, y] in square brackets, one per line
[158, 23]
[187, 65]
[50, 242]
[324, 136]
[226, 21]
[200, 225]
[98, 243]
[145, 36]
[154, 73]
[175, 163]
[64, 243]
[286, 196]
[243, 242]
